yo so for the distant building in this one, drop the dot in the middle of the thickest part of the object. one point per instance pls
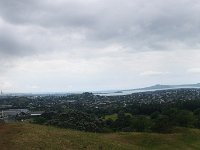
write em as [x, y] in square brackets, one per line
[14, 112]
[36, 113]
[9, 115]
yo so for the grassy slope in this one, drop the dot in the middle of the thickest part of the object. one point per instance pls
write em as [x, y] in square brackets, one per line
[29, 136]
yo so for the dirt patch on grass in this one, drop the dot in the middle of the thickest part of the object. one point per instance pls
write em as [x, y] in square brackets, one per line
[8, 134]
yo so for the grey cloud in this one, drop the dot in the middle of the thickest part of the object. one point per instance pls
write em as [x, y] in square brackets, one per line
[153, 26]
[136, 24]
[11, 46]
[16, 11]
[46, 14]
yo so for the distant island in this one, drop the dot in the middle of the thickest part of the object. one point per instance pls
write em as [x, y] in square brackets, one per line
[150, 88]
[160, 86]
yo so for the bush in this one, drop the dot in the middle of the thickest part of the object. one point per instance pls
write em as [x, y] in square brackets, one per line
[185, 118]
[39, 120]
[162, 124]
[141, 124]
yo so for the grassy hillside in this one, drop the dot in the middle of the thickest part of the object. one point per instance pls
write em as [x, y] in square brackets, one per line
[23, 136]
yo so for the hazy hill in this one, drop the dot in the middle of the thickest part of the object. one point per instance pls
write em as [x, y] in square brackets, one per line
[159, 86]
[150, 88]
[30, 136]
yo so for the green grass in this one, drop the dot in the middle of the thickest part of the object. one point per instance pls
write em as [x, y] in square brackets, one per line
[23, 136]
[114, 116]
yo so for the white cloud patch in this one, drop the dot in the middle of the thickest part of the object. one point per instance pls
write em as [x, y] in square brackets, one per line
[194, 70]
[153, 73]
[5, 85]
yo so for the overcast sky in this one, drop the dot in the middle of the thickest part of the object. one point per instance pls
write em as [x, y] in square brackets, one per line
[84, 45]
